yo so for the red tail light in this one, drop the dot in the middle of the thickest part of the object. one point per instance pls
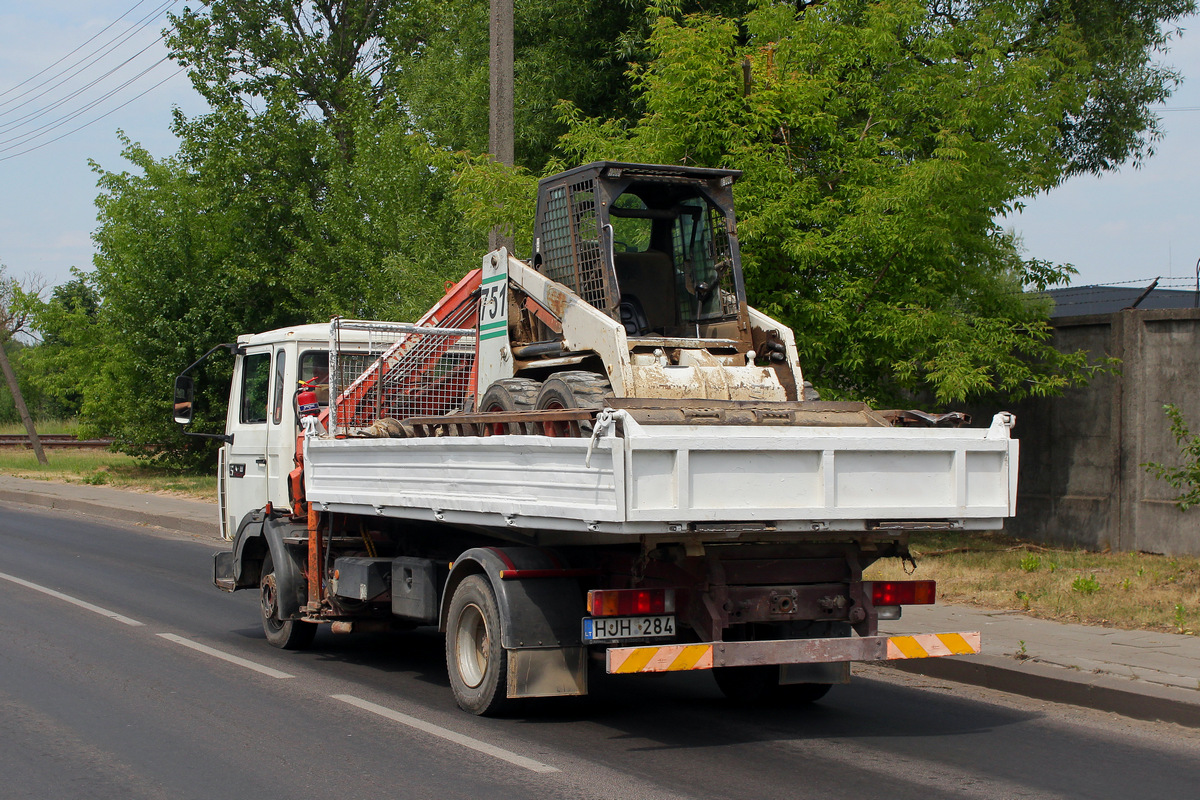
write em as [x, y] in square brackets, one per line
[627, 602]
[903, 593]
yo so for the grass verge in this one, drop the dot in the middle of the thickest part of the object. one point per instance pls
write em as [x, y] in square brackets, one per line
[104, 468]
[1122, 590]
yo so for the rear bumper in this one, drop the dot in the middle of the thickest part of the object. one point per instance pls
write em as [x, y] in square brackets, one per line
[707, 655]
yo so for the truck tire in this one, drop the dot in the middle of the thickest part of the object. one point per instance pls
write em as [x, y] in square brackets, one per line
[759, 685]
[475, 660]
[286, 634]
[509, 394]
[573, 389]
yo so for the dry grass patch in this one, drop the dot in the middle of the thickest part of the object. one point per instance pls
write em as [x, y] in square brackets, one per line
[104, 468]
[1123, 590]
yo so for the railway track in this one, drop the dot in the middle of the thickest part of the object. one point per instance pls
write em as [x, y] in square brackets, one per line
[52, 440]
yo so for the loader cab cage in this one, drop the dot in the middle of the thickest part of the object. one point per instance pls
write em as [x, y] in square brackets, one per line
[652, 246]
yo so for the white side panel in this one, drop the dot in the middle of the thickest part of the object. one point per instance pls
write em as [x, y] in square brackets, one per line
[513, 476]
[710, 474]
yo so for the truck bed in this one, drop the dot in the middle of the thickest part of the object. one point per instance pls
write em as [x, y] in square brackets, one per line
[719, 482]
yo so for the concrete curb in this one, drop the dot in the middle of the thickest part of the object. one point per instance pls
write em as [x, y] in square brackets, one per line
[1140, 700]
[181, 523]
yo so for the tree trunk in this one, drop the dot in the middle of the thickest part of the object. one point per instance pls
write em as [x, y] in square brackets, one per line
[19, 401]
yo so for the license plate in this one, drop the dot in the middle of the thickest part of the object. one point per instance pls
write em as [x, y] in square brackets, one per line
[605, 628]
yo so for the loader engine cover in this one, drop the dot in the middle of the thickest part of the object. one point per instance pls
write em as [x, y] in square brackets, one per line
[361, 578]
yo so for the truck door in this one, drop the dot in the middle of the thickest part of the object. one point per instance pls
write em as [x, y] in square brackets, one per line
[281, 432]
[246, 472]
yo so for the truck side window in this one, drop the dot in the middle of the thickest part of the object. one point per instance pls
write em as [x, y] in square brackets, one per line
[315, 364]
[256, 381]
[277, 414]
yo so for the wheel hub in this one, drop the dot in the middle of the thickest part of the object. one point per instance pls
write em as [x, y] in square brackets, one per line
[471, 646]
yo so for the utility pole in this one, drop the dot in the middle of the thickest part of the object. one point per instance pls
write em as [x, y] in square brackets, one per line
[19, 402]
[501, 125]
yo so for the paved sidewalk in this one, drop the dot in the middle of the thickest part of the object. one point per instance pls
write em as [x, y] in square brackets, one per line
[1140, 674]
[162, 511]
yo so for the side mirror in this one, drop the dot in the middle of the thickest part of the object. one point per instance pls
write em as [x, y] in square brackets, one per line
[184, 394]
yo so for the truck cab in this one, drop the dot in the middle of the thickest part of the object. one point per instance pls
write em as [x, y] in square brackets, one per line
[262, 421]
[262, 417]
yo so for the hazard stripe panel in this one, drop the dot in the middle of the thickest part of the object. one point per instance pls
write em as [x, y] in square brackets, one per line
[927, 645]
[676, 657]
[666, 658]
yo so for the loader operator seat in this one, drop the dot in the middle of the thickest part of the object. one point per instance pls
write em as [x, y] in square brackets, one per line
[647, 282]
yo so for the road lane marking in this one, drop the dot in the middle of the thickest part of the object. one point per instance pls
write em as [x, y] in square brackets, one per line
[447, 734]
[66, 598]
[232, 659]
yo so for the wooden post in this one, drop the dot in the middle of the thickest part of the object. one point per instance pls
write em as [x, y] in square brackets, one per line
[19, 401]
[501, 124]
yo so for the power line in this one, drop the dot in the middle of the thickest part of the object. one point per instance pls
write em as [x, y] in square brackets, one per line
[17, 141]
[34, 115]
[97, 119]
[68, 55]
[87, 60]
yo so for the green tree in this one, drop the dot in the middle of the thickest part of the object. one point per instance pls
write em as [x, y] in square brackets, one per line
[1184, 477]
[68, 326]
[322, 54]
[191, 251]
[880, 141]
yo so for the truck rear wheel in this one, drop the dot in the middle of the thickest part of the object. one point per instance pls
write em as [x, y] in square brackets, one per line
[475, 659]
[509, 394]
[569, 390]
[286, 634]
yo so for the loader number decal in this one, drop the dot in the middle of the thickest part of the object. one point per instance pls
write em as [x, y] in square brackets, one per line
[493, 306]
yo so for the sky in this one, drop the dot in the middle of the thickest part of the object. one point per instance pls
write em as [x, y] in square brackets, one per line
[67, 63]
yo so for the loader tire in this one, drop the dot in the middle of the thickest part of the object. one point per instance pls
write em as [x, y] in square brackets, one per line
[286, 634]
[509, 394]
[475, 660]
[569, 390]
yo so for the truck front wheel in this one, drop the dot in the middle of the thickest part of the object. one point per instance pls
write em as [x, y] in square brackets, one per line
[475, 658]
[286, 634]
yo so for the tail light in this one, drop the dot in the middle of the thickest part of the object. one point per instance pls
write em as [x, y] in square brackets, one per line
[628, 602]
[903, 593]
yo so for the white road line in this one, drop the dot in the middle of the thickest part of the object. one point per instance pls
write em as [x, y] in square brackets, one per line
[232, 659]
[448, 735]
[66, 598]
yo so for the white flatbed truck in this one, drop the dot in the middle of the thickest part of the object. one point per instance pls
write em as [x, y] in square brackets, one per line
[555, 480]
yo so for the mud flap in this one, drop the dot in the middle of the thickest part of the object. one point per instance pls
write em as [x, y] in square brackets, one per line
[548, 672]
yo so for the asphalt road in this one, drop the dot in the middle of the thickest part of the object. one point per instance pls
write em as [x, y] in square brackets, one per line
[124, 674]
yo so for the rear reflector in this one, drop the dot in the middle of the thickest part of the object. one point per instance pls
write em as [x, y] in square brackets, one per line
[627, 602]
[903, 593]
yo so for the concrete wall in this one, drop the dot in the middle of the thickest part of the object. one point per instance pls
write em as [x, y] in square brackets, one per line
[1081, 479]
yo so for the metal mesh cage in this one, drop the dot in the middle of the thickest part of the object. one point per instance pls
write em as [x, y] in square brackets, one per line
[397, 370]
[570, 248]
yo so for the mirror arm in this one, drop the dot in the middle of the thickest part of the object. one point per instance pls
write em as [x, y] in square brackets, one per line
[227, 438]
[232, 347]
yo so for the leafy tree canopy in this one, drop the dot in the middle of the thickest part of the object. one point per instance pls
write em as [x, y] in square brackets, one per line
[880, 140]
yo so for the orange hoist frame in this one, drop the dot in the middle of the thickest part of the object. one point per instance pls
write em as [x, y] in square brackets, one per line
[457, 309]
